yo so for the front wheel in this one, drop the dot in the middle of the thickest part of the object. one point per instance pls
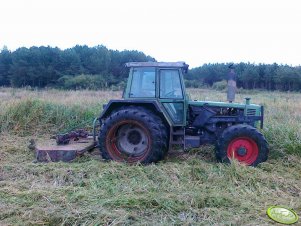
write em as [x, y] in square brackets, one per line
[243, 143]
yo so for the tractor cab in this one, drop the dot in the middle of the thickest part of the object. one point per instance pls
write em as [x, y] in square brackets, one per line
[162, 82]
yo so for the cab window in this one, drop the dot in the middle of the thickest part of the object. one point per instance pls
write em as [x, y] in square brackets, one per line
[170, 84]
[143, 83]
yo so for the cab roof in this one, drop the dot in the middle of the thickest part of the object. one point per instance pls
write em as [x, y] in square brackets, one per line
[180, 64]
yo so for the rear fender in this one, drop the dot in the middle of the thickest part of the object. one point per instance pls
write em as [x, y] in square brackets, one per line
[152, 105]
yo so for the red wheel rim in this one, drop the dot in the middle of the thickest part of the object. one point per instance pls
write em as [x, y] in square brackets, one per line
[115, 152]
[244, 149]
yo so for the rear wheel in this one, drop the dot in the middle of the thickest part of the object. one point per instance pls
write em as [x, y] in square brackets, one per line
[243, 143]
[133, 134]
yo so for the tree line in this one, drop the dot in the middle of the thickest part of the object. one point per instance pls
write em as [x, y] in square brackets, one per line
[249, 76]
[99, 67]
[77, 67]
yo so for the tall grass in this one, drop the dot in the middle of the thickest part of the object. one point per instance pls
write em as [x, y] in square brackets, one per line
[27, 112]
[38, 116]
[184, 189]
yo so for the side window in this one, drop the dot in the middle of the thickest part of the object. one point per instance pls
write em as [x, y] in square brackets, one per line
[143, 83]
[170, 84]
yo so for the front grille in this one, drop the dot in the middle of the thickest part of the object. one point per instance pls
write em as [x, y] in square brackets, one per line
[251, 112]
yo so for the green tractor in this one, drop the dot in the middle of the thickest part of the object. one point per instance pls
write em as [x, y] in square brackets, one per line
[156, 113]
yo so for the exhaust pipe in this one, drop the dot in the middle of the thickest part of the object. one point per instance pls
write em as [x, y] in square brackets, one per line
[231, 91]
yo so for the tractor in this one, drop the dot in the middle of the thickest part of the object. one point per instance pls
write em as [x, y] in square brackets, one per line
[156, 113]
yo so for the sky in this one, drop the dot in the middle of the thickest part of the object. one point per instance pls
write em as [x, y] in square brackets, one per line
[194, 31]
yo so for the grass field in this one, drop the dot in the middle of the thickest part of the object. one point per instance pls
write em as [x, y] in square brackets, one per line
[184, 189]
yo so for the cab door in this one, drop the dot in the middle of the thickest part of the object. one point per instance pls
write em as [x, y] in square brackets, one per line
[171, 95]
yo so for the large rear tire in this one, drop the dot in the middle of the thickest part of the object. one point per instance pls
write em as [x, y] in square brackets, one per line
[243, 143]
[133, 134]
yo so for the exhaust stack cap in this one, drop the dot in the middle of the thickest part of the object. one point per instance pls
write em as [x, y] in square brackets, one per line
[248, 100]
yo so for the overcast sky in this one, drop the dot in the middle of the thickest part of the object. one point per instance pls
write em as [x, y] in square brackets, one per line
[194, 31]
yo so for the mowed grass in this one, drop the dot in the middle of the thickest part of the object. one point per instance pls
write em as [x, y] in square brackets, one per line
[184, 189]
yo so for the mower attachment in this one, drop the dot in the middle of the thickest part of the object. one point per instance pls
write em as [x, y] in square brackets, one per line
[68, 146]
[53, 152]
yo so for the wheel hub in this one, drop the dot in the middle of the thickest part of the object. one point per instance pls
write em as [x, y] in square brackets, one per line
[134, 137]
[131, 140]
[242, 151]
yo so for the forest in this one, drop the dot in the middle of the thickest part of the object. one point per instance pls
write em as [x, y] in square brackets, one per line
[83, 67]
